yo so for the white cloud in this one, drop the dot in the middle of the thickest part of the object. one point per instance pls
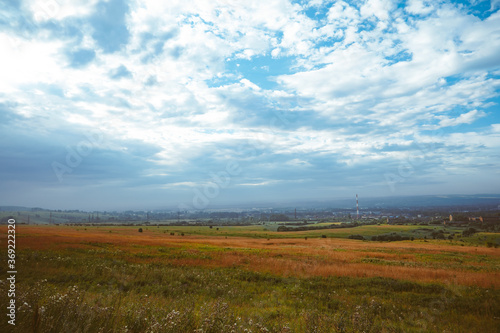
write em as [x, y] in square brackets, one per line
[495, 128]
[262, 183]
[378, 8]
[362, 83]
[359, 77]
[44, 10]
[181, 184]
[250, 85]
[341, 14]
[474, 141]
[23, 62]
[465, 118]
[419, 7]
[296, 162]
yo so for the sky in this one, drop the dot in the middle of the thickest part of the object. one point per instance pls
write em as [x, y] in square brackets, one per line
[199, 104]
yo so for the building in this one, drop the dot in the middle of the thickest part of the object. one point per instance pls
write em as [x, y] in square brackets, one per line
[489, 219]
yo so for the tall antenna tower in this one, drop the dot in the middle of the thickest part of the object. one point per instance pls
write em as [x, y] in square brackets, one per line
[357, 208]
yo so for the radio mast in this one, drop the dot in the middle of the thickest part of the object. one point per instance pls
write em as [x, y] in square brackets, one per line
[357, 208]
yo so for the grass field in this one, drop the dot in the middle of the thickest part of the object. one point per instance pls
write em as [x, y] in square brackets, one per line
[250, 279]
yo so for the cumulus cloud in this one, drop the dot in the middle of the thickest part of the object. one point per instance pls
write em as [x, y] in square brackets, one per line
[45, 10]
[465, 118]
[316, 96]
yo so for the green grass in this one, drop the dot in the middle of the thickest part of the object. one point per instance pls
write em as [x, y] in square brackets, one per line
[96, 290]
[269, 231]
[106, 286]
[266, 231]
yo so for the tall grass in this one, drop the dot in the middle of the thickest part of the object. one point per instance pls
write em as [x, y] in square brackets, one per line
[416, 261]
[95, 281]
[78, 291]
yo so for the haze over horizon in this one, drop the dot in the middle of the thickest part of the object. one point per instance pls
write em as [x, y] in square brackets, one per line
[143, 104]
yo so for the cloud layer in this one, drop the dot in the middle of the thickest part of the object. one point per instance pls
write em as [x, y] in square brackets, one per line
[130, 104]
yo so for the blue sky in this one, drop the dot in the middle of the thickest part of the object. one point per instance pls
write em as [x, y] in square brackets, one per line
[172, 104]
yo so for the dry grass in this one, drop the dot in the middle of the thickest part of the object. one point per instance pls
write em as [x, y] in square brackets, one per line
[286, 257]
[115, 279]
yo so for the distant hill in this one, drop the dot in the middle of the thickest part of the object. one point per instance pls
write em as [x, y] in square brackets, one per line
[435, 201]
[478, 201]
[14, 208]
[411, 202]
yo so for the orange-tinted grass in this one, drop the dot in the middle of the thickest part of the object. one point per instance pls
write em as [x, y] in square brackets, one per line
[289, 257]
[55, 237]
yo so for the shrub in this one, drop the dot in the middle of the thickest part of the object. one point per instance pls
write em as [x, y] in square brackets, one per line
[356, 237]
[469, 232]
[389, 238]
[440, 236]
[140, 229]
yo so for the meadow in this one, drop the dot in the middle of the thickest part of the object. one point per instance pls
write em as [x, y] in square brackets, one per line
[250, 279]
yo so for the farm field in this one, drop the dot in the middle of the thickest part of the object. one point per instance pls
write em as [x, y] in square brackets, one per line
[250, 279]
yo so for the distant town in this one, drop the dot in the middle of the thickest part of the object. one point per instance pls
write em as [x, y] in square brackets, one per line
[473, 211]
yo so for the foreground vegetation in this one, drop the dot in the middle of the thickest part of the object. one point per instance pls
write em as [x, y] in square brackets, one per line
[116, 279]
